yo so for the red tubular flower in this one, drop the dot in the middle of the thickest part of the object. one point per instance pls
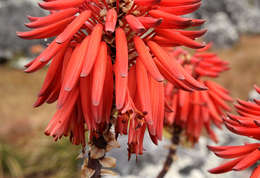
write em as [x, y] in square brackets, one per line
[245, 156]
[195, 110]
[111, 20]
[95, 40]
[208, 64]
[246, 124]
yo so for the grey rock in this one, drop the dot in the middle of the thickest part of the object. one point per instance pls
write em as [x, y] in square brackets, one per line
[254, 95]
[221, 31]
[245, 16]
[12, 18]
[152, 154]
[236, 17]
[191, 163]
[257, 3]
[5, 55]
[20, 62]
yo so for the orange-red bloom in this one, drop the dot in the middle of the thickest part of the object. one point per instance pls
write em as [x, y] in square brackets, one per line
[99, 41]
[246, 124]
[196, 110]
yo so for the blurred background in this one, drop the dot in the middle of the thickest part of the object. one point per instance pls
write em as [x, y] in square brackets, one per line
[25, 152]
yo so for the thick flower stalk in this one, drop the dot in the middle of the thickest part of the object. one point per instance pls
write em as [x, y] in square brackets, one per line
[196, 110]
[109, 60]
[247, 123]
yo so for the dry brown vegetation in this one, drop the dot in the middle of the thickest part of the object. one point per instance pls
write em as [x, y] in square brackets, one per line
[26, 152]
[244, 60]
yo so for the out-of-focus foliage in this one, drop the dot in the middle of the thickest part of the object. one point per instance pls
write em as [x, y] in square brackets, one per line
[41, 159]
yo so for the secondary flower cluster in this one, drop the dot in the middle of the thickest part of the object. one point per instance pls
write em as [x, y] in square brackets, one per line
[109, 59]
[247, 123]
[198, 109]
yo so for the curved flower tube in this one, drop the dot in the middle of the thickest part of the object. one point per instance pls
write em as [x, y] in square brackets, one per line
[246, 124]
[109, 64]
[196, 110]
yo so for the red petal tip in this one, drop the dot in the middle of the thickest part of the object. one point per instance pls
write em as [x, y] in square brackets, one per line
[83, 74]
[67, 89]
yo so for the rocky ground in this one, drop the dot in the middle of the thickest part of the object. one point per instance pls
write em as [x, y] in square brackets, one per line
[228, 19]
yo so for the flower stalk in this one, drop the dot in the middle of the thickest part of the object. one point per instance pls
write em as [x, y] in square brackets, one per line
[175, 140]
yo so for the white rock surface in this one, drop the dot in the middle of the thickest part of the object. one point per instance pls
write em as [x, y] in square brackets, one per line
[191, 163]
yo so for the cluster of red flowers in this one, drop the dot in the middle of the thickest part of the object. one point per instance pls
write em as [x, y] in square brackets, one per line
[99, 42]
[112, 64]
[198, 109]
[246, 124]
